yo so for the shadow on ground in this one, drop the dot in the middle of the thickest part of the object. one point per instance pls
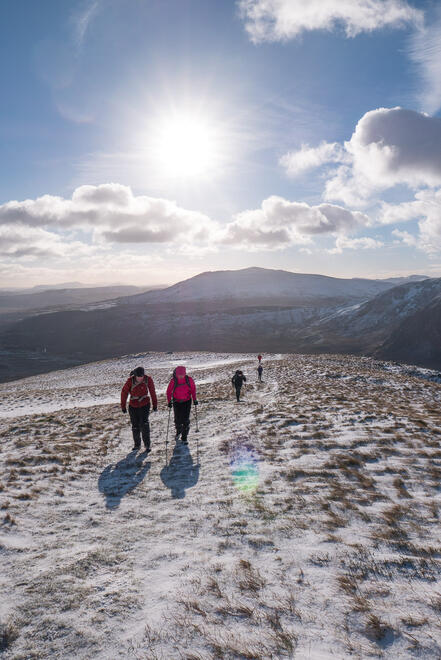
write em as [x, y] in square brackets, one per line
[181, 473]
[117, 480]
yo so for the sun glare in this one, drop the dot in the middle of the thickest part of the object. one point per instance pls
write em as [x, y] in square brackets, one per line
[188, 146]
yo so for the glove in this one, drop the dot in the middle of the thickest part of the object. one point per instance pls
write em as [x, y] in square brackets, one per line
[196, 402]
[155, 408]
[170, 404]
[124, 409]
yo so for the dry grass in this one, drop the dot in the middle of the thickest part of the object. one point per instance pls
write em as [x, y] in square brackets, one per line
[349, 487]
[9, 632]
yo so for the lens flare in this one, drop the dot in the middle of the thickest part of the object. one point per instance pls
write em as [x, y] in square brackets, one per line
[244, 464]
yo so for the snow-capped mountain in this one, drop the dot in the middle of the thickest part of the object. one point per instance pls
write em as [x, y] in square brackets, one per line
[417, 337]
[401, 324]
[262, 285]
[340, 319]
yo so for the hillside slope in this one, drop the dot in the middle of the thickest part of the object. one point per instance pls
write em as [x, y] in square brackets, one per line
[400, 324]
[302, 522]
[416, 338]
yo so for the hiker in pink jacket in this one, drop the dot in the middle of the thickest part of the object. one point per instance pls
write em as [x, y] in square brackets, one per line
[180, 392]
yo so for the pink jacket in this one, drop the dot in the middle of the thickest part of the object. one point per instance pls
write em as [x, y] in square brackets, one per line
[181, 387]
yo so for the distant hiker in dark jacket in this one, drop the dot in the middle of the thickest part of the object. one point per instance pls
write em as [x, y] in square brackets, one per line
[238, 380]
[139, 386]
[180, 392]
[259, 372]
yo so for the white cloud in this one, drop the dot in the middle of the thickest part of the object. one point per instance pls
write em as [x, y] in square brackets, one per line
[405, 237]
[306, 158]
[280, 20]
[280, 223]
[114, 214]
[364, 243]
[425, 51]
[24, 242]
[426, 209]
[82, 20]
[389, 146]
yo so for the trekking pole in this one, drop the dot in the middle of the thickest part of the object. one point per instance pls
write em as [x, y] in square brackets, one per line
[166, 438]
[196, 414]
[197, 437]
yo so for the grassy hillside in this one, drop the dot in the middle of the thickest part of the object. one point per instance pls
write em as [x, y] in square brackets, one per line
[302, 522]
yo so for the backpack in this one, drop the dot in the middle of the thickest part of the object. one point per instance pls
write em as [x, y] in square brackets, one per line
[133, 383]
[176, 384]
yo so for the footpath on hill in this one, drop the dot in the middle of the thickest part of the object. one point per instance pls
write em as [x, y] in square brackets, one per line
[302, 522]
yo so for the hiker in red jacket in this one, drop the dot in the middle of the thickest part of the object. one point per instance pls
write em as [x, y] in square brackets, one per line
[138, 386]
[180, 391]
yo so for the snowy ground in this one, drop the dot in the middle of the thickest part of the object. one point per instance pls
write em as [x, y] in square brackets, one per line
[303, 523]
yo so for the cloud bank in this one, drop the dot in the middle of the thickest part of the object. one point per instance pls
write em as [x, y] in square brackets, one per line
[112, 215]
[24, 242]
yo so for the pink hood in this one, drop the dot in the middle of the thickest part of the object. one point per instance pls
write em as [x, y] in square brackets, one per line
[180, 373]
[184, 390]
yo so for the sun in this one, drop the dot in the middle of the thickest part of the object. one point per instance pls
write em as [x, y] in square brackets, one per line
[188, 145]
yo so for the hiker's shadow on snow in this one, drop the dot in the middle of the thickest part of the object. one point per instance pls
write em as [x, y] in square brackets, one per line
[181, 473]
[118, 479]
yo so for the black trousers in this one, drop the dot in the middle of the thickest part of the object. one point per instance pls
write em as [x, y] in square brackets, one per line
[140, 425]
[238, 388]
[182, 417]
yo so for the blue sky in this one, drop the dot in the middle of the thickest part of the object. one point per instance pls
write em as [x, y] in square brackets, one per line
[149, 140]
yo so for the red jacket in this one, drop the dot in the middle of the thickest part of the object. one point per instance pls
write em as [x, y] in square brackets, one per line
[181, 390]
[139, 393]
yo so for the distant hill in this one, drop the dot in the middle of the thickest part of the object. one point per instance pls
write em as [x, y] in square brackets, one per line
[406, 280]
[262, 286]
[44, 287]
[54, 298]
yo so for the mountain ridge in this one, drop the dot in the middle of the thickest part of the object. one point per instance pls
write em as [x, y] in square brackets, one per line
[342, 320]
[262, 284]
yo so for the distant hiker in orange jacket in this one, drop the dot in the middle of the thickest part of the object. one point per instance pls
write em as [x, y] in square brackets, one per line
[139, 386]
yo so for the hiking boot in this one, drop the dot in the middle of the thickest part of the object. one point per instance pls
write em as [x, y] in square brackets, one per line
[136, 447]
[147, 450]
[184, 441]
